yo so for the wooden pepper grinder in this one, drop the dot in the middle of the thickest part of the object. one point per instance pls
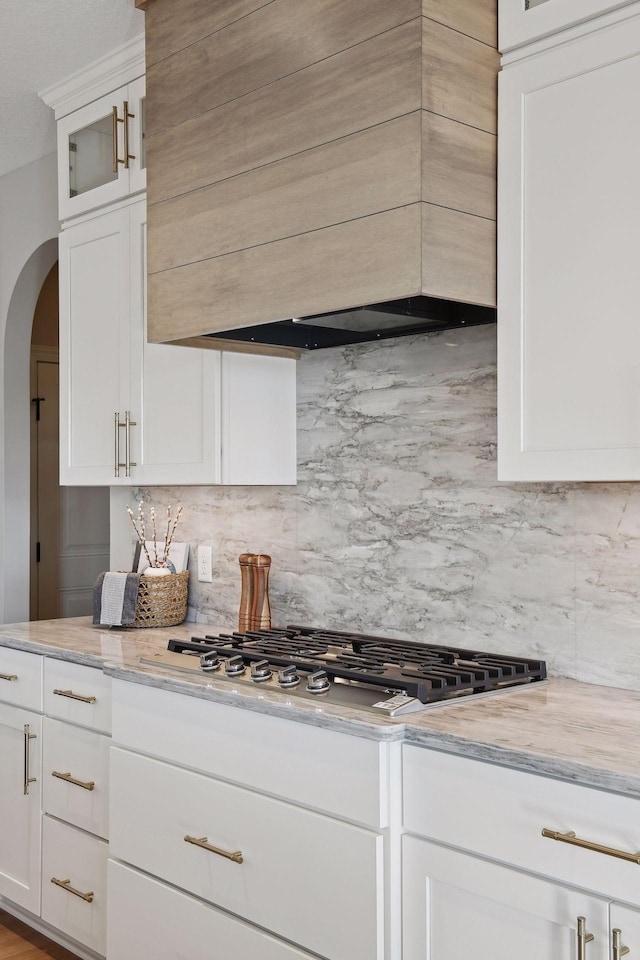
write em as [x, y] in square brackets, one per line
[260, 609]
[246, 596]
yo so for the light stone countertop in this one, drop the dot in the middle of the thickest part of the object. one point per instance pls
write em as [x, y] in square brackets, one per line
[575, 731]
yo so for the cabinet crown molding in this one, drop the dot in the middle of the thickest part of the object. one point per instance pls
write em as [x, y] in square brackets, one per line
[122, 65]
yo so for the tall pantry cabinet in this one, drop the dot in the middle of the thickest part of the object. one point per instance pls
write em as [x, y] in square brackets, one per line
[133, 412]
[569, 235]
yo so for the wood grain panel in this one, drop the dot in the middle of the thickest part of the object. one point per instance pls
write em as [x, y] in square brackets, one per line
[460, 77]
[363, 261]
[363, 86]
[458, 256]
[375, 170]
[476, 18]
[172, 25]
[458, 166]
[237, 346]
[273, 42]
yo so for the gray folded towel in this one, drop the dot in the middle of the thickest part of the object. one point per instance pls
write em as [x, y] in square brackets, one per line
[115, 597]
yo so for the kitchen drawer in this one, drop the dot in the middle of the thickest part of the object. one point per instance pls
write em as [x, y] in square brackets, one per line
[298, 867]
[74, 856]
[77, 694]
[500, 812]
[149, 919]
[21, 678]
[83, 755]
[333, 772]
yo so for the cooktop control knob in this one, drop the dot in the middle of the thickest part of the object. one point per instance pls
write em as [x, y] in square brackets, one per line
[209, 662]
[318, 682]
[288, 676]
[234, 666]
[260, 670]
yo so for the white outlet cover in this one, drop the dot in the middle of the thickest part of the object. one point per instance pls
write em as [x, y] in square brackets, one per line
[205, 564]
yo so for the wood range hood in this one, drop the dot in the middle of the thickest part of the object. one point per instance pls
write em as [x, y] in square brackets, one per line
[309, 157]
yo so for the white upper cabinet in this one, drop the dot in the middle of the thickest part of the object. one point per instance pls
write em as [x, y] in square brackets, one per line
[100, 123]
[569, 236]
[132, 412]
[522, 21]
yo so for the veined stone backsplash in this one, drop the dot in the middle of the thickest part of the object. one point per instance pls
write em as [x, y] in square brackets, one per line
[398, 525]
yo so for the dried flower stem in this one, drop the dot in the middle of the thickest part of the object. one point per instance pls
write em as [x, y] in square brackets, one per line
[141, 533]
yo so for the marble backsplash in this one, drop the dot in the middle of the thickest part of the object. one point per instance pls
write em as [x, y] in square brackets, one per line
[399, 526]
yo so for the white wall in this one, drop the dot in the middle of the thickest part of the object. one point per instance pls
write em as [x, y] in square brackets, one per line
[28, 248]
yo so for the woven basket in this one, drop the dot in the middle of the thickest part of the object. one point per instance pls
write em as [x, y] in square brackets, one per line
[162, 601]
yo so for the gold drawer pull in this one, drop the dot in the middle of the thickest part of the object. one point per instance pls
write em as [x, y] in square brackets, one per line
[74, 696]
[86, 785]
[583, 938]
[66, 885]
[571, 838]
[8, 676]
[236, 856]
[618, 950]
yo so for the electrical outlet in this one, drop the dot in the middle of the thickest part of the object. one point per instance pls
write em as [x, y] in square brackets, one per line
[205, 571]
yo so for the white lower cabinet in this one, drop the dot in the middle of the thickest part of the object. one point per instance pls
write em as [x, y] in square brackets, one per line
[74, 883]
[154, 920]
[310, 878]
[20, 803]
[456, 905]
[625, 931]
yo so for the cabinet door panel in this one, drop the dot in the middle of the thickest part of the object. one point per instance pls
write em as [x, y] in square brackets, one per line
[627, 921]
[521, 21]
[456, 905]
[94, 310]
[175, 392]
[20, 811]
[568, 340]
[149, 919]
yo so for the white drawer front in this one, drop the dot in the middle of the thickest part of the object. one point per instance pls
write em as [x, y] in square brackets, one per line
[339, 774]
[297, 868]
[77, 694]
[76, 776]
[72, 855]
[148, 919]
[500, 813]
[21, 678]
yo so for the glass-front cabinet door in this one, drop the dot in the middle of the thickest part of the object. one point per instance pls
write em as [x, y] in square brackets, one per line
[522, 21]
[101, 151]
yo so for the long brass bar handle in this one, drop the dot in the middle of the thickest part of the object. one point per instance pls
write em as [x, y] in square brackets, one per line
[127, 156]
[27, 759]
[66, 885]
[236, 856]
[128, 422]
[115, 139]
[8, 676]
[618, 950]
[571, 838]
[85, 784]
[583, 938]
[74, 696]
[116, 434]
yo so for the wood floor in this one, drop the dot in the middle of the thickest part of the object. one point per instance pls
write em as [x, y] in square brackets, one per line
[19, 942]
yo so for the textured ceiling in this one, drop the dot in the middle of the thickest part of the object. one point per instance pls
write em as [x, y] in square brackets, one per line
[41, 43]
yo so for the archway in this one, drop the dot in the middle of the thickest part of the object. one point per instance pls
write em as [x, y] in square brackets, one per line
[14, 543]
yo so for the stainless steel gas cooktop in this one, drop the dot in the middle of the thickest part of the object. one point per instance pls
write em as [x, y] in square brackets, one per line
[379, 674]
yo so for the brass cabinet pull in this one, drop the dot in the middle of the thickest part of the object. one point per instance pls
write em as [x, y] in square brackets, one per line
[116, 435]
[571, 838]
[8, 676]
[74, 696]
[116, 120]
[66, 885]
[127, 156]
[86, 785]
[236, 856]
[128, 422]
[583, 938]
[618, 950]
[27, 759]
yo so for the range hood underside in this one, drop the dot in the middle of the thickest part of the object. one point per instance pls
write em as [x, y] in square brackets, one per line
[376, 321]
